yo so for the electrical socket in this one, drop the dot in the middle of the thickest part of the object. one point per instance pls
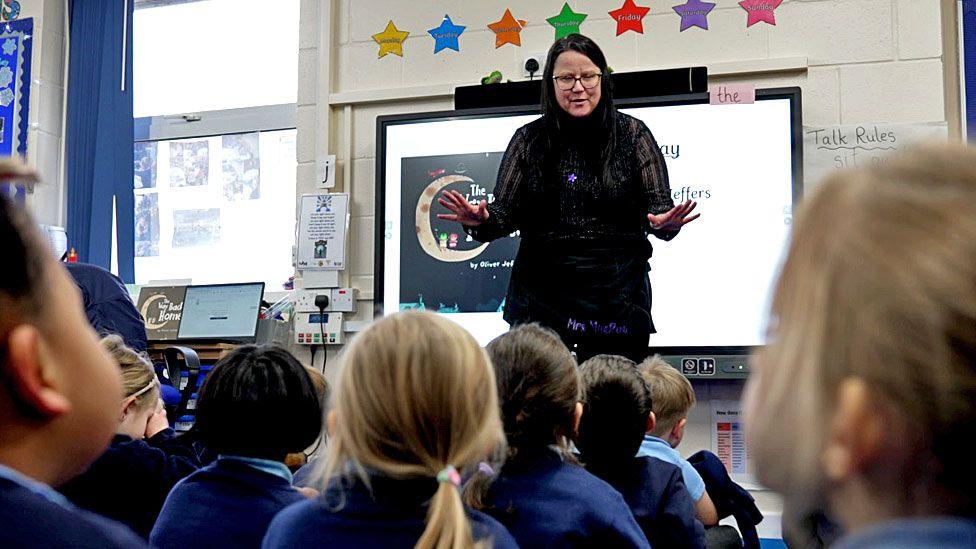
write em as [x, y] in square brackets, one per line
[539, 58]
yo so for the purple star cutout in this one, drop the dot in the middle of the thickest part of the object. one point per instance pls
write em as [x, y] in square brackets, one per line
[571, 178]
[694, 13]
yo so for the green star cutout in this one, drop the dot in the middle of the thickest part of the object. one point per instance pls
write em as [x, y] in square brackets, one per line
[567, 22]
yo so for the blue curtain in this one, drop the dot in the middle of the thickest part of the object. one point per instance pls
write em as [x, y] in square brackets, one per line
[99, 134]
[968, 60]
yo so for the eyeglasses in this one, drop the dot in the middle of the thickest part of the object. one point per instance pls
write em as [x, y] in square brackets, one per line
[567, 82]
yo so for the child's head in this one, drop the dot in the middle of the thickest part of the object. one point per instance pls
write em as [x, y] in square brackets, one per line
[258, 401]
[415, 398]
[58, 388]
[616, 410]
[866, 393]
[140, 387]
[673, 398]
[538, 388]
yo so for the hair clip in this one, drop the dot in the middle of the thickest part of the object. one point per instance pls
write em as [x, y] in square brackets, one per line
[449, 474]
[483, 467]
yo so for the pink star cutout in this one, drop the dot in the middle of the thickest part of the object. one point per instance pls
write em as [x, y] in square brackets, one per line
[760, 10]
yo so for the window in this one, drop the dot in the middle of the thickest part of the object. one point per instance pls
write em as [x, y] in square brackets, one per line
[214, 54]
[214, 154]
[216, 209]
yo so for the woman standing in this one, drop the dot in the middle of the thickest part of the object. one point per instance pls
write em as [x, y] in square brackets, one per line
[584, 185]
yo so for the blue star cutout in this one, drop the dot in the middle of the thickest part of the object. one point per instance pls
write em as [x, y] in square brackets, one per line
[446, 35]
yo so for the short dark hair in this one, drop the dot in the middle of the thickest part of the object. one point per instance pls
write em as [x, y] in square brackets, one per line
[616, 405]
[22, 275]
[259, 402]
[538, 388]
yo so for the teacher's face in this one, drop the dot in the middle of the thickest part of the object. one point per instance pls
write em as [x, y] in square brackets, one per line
[577, 101]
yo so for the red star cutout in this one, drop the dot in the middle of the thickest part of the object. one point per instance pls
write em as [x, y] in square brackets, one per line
[760, 10]
[629, 17]
[507, 30]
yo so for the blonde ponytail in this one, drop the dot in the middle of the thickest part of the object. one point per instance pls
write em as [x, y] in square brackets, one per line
[416, 392]
[447, 523]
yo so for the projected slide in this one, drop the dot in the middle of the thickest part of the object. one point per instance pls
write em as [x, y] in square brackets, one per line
[710, 285]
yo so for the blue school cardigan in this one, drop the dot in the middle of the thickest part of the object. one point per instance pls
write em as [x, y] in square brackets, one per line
[228, 503]
[33, 515]
[657, 496]
[546, 502]
[130, 481]
[388, 513]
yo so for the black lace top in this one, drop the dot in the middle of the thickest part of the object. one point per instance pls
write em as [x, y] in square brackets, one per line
[572, 194]
[582, 261]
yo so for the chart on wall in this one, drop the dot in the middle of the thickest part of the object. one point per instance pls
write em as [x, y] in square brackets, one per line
[710, 285]
[472, 277]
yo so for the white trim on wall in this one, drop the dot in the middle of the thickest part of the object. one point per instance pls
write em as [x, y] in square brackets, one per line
[444, 91]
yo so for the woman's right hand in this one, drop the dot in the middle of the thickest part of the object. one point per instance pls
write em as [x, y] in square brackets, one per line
[462, 211]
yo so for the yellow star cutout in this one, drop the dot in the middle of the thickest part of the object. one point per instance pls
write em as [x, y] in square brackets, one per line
[391, 40]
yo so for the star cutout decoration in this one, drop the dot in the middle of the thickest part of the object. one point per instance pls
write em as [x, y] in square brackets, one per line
[446, 36]
[507, 30]
[694, 13]
[760, 10]
[629, 17]
[391, 40]
[567, 22]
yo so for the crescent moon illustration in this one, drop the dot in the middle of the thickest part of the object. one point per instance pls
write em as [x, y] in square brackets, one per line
[425, 233]
[145, 312]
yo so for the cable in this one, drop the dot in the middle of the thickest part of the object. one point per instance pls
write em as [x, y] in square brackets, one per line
[322, 301]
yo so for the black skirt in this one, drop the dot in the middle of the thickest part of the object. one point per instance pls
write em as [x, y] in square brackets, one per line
[595, 295]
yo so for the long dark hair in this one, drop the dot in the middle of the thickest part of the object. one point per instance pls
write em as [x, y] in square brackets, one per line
[605, 114]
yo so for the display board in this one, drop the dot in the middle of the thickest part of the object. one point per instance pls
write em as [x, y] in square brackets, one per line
[710, 285]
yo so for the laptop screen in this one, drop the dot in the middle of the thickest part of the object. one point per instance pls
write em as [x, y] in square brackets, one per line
[222, 311]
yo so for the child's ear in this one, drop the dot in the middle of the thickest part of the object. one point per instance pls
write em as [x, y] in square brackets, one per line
[678, 432]
[128, 407]
[31, 373]
[577, 415]
[651, 422]
[856, 434]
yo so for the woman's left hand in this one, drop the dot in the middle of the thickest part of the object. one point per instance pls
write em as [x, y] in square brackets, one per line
[675, 218]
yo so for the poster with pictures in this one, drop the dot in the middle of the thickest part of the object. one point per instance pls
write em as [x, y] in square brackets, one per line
[241, 166]
[189, 163]
[470, 276]
[147, 225]
[144, 165]
[196, 227]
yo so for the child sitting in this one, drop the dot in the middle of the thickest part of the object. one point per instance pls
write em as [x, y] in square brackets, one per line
[541, 493]
[129, 482]
[865, 397]
[59, 394]
[256, 405]
[616, 413]
[415, 406]
[672, 398]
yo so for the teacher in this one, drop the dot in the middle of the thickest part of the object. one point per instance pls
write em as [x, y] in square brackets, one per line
[584, 185]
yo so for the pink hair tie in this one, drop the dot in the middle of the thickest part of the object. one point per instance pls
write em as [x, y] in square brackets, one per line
[449, 474]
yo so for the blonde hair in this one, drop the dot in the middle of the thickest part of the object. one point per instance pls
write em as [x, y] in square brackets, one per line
[138, 375]
[879, 285]
[416, 394]
[671, 394]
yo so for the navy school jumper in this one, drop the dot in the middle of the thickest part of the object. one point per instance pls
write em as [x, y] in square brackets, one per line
[130, 481]
[389, 513]
[658, 498]
[547, 502]
[226, 504]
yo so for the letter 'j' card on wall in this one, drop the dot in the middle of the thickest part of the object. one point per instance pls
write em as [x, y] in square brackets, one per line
[322, 228]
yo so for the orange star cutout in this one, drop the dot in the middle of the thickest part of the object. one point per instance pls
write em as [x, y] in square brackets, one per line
[390, 40]
[507, 30]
